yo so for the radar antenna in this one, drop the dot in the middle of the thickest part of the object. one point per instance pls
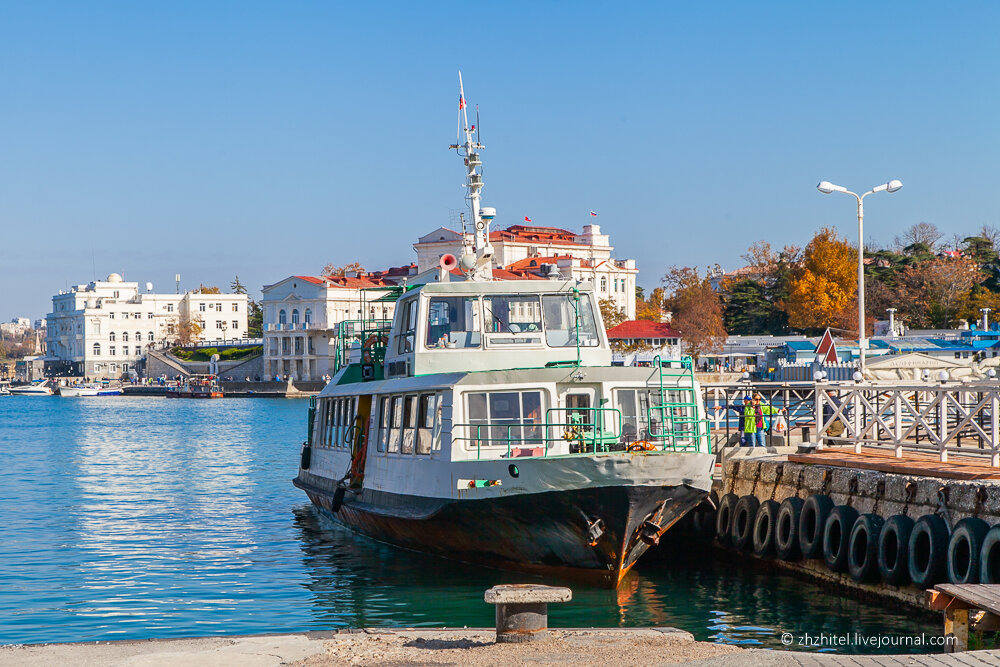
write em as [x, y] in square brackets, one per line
[477, 257]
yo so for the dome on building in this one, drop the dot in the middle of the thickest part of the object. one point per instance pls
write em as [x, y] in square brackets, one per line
[114, 278]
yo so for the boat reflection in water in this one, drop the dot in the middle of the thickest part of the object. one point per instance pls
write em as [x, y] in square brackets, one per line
[357, 582]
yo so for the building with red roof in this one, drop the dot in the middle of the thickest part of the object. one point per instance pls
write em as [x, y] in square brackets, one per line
[532, 251]
[638, 342]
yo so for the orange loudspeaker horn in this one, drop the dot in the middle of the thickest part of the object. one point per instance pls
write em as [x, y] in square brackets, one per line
[448, 261]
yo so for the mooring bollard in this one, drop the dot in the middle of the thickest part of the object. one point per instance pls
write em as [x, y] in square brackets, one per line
[523, 610]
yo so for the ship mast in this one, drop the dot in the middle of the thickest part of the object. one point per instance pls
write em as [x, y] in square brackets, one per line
[477, 258]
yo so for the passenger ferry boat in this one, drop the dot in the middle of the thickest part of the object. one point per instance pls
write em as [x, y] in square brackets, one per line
[196, 386]
[487, 424]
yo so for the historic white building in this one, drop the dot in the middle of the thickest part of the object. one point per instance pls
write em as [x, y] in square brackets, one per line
[544, 251]
[100, 330]
[301, 314]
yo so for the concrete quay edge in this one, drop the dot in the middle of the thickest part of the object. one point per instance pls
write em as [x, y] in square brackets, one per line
[447, 646]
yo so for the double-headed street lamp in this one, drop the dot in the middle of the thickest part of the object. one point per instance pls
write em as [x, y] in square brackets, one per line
[826, 187]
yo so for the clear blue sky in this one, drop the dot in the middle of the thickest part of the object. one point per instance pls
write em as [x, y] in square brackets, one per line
[267, 139]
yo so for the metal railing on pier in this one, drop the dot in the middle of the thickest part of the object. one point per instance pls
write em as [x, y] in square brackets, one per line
[724, 406]
[942, 420]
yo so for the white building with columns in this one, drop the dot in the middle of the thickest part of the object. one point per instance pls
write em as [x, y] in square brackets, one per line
[520, 249]
[300, 315]
[102, 329]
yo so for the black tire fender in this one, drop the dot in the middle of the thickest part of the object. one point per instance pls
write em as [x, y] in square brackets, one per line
[786, 529]
[338, 498]
[743, 517]
[763, 528]
[837, 537]
[894, 550]
[862, 548]
[989, 557]
[928, 557]
[812, 521]
[965, 550]
[724, 518]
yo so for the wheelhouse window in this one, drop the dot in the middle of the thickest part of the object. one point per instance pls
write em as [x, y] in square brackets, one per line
[565, 316]
[384, 405]
[504, 418]
[512, 314]
[408, 327]
[453, 323]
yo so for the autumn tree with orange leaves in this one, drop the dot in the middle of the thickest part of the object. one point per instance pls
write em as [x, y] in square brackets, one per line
[697, 310]
[823, 286]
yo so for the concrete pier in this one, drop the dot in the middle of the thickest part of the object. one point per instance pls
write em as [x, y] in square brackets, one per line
[640, 647]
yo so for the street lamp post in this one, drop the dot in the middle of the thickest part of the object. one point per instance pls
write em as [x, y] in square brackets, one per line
[826, 187]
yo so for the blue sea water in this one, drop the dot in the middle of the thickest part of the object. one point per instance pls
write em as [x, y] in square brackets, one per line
[128, 518]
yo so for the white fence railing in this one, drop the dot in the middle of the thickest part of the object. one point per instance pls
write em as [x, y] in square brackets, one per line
[941, 420]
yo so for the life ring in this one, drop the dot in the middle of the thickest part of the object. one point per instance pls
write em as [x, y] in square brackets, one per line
[837, 537]
[371, 342]
[965, 550]
[928, 551]
[894, 550]
[641, 446]
[786, 529]
[862, 548]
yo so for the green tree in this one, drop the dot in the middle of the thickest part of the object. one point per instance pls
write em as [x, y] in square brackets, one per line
[750, 309]
[237, 287]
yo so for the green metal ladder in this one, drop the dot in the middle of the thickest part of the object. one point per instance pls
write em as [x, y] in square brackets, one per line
[682, 426]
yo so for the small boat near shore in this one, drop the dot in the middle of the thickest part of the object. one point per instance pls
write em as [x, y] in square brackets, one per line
[41, 388]
[196, 387]
[89, 390]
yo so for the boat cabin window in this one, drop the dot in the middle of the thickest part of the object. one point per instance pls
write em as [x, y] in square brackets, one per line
[505, 418]
[634, 405]
[383, 422]
[334, 419]
[408, 327]
[395, 423]
[409, 423]
[453, 323]
[425, 422]
[561, 321]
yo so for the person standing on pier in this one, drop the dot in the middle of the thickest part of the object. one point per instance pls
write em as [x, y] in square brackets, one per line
[755, 420]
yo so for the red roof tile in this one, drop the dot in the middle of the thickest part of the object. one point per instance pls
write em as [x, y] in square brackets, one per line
[643, 329]
[311, 279]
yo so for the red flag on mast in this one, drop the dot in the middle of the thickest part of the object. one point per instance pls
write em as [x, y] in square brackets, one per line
[527, 219]
[461, 102]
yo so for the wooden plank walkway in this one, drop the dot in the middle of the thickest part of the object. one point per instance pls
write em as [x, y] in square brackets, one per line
[912, 463]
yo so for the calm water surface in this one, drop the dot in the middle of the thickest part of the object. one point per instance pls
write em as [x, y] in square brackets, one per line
[125, 518]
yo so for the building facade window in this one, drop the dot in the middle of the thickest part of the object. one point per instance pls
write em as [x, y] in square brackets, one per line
[309, 316]
[124, 350]
[201, 307]
[236, 325]
[282, 317]
[97, 349]
[111, 350]
[604, 284]
[111, 315]
[298, 345]
[236, 307]
[111, 336]
[285, 346]
[295, 316]
[170, 307]
[150, 337]
[124, 336]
